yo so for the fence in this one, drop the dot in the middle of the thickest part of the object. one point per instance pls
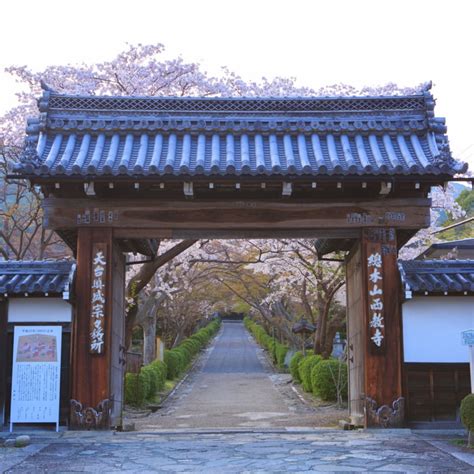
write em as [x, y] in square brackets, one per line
[134, 361]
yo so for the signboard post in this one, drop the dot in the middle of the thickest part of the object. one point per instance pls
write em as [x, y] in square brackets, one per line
[36, 375]
[468, 340]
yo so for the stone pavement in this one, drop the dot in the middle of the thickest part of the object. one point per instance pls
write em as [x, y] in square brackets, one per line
[225, 452]
[232, 387]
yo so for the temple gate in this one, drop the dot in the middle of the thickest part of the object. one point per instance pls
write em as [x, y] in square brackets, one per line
[120, 172]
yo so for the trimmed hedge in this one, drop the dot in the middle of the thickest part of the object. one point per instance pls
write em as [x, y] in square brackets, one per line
[295, 360]
[275, 348]
[304, 369]
[152, 377]
[144, 385]
[178, 358]
[325, 376]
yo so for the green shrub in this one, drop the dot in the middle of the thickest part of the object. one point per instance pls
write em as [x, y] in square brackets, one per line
[193, 345]
[276, 349]
[144, 385]
[305, 366]
[295, 360]
[281, 351]
[178, 358]
[327, 377]
[200, 337]
[151, 380]
[173, 363]
[136, 388]
[159, 372]
[184, 357]
[467, 412]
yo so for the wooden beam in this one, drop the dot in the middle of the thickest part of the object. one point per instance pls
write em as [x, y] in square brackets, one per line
[151, 233]
[235, 215]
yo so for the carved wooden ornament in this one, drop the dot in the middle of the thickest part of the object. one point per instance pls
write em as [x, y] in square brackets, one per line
[86, 418]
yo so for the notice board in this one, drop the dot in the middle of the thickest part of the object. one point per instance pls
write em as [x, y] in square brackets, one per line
[36, 375]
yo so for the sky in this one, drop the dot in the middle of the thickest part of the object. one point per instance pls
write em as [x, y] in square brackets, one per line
[360, 42]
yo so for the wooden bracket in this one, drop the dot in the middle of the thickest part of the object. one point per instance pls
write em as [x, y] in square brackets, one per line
[188, 189]
[385, 188]
[89, 189]
[287, 189]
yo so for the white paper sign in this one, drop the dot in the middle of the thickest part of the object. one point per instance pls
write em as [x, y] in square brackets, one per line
[36, 375]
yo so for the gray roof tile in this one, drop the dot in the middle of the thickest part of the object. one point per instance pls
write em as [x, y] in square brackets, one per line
[138, 136]
[19, 277]
[438, 276]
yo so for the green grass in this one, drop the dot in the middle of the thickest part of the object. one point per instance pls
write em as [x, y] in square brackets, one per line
[462, 443]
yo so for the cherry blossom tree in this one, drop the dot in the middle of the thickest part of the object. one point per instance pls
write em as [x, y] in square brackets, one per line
[443, 202]
[283, 281]
[138, 70]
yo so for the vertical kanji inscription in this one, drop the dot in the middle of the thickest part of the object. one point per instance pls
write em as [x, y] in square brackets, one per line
[98, 300]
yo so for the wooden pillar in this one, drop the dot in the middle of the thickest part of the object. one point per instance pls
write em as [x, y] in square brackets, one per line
[374, 329]
[355, 307]
[4, 347]
[97, 331]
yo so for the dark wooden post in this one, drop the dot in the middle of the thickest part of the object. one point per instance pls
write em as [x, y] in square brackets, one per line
[97, 331]
[374, 327]
[4, 347]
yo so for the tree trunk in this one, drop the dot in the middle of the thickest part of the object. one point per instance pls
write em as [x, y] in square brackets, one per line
[142, 278]
[130, 324]
[319, 336]
[149, 340]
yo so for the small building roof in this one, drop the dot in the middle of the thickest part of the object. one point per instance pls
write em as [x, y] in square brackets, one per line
[464, 249]
[437, 276]
[191, 136]
[36, 277]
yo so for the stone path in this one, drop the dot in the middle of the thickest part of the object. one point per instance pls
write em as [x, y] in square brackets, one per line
[311, 451]
[233, 386]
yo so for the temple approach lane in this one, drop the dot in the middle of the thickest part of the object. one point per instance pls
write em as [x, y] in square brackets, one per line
[233, 386]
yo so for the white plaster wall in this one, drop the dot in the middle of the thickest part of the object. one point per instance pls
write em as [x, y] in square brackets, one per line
[39, 310]
[432, 327]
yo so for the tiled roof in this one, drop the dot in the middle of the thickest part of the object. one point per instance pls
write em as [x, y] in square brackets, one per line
[138, 136]
[19, 277]
[464, 249]
[438, 276]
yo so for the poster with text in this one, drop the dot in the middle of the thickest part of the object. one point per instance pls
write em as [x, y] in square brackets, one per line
[36, 374]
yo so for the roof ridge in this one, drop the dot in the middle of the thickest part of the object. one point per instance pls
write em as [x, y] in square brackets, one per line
[53, 100]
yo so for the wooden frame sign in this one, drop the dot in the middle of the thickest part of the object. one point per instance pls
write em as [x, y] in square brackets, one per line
[98, 299]
[36, 375]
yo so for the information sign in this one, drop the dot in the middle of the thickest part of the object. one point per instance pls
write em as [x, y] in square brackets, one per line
[36, 375]
[468, 337]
